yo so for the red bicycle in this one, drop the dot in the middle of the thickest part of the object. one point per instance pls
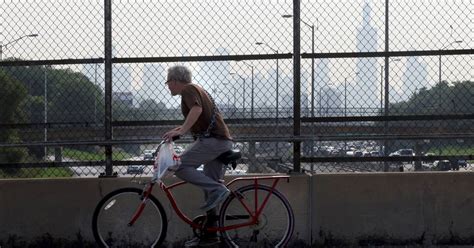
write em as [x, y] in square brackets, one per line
[254, 215]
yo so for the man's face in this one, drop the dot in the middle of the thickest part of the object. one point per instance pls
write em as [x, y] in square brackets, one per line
[173, 87]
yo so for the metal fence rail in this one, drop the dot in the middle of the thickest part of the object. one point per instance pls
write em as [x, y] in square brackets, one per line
[318, 86]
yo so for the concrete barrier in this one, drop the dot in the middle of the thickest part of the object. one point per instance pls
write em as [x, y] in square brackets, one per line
[395, 209]
[330, 209]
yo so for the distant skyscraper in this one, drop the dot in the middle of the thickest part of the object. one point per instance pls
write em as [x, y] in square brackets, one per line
[215, 76]
[321, 82]
[121, 75]
[121, 78]
[153, 84]
[332, 101]
[261, 91]
[305, 93]
[364, 98]
[414, 78]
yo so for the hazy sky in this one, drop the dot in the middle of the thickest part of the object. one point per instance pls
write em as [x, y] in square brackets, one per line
[144, 28]
[74, 29]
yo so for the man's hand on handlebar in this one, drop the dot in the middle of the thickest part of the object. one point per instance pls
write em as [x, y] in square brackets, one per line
[173, 134]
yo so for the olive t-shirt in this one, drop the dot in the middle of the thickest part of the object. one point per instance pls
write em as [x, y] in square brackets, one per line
[193, 94]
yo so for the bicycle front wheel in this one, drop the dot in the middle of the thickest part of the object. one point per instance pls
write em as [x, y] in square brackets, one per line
[275, 224]
[110, 222]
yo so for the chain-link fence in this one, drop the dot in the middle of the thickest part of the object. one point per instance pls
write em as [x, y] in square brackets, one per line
[379, 85]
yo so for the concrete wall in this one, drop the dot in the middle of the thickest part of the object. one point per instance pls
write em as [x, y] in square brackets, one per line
[331, 209]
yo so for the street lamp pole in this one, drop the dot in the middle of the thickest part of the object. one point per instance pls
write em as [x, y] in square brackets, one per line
[95, 94]
[345, 111]
[439, 62]
[446, 46]
[277, 96]
[45, 111]
[345, 97]
[2, 46]
[277, 68]
[312, 61]
[243, 87]
[381, 89]
[439, 69]
[382, 84]
[312, 70]
[235, 94]
[252, 89]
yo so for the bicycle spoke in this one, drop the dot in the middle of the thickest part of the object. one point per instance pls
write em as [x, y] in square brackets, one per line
[112, 216]
[274, 226]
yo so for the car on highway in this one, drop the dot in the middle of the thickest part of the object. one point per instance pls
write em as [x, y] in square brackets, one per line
[402, 152]
[406, 152]
[148, 154]
[355, 153]
[442, 165]
[462, 163]
[135, 169]
[375, 153]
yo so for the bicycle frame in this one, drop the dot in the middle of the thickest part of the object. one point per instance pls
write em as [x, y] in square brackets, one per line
[253, 211]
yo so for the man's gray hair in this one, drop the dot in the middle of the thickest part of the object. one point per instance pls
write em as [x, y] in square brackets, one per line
[179, 73]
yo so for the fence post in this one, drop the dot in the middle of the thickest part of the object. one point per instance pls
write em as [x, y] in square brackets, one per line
[297, 87]
[386, 85]
[108, 85]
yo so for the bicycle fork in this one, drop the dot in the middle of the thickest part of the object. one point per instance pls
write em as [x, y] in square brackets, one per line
[144, 198]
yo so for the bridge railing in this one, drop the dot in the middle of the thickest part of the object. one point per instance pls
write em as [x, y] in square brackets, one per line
[313, 86]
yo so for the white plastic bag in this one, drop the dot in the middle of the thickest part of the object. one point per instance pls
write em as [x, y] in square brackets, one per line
[166, 161]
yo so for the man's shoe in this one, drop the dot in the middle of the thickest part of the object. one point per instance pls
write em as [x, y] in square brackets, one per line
[215, 198]
[194, 242]
[204, 242]
[209, 242]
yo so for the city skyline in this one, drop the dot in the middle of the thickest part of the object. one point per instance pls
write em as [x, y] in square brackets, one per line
[363, 88]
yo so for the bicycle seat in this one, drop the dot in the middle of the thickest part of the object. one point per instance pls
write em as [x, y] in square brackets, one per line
[230, 157]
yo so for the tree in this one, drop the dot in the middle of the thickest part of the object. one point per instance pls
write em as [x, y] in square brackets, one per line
[71, 96]
[442, 99]
[150, 110]
[12, 96]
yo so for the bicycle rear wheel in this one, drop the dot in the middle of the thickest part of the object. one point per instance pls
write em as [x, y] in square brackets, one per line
[114, 212]
[275, 224]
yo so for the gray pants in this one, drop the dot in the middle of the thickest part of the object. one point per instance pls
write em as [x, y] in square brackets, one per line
[204, 151]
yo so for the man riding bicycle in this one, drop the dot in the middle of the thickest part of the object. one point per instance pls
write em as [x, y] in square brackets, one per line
[211, 139]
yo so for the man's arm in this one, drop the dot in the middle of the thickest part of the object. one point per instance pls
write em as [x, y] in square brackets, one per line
[192, 117]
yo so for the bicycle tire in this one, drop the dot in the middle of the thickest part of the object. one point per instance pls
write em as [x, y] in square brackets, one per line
[277, 210]
[114, 211]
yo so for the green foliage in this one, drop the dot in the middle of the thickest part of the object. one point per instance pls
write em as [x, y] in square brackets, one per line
[453, 150]
[70, 95]
[40, 173]
[12, 96]
[76, 98]
[443, 98]
[149, 109]
[78, 155]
